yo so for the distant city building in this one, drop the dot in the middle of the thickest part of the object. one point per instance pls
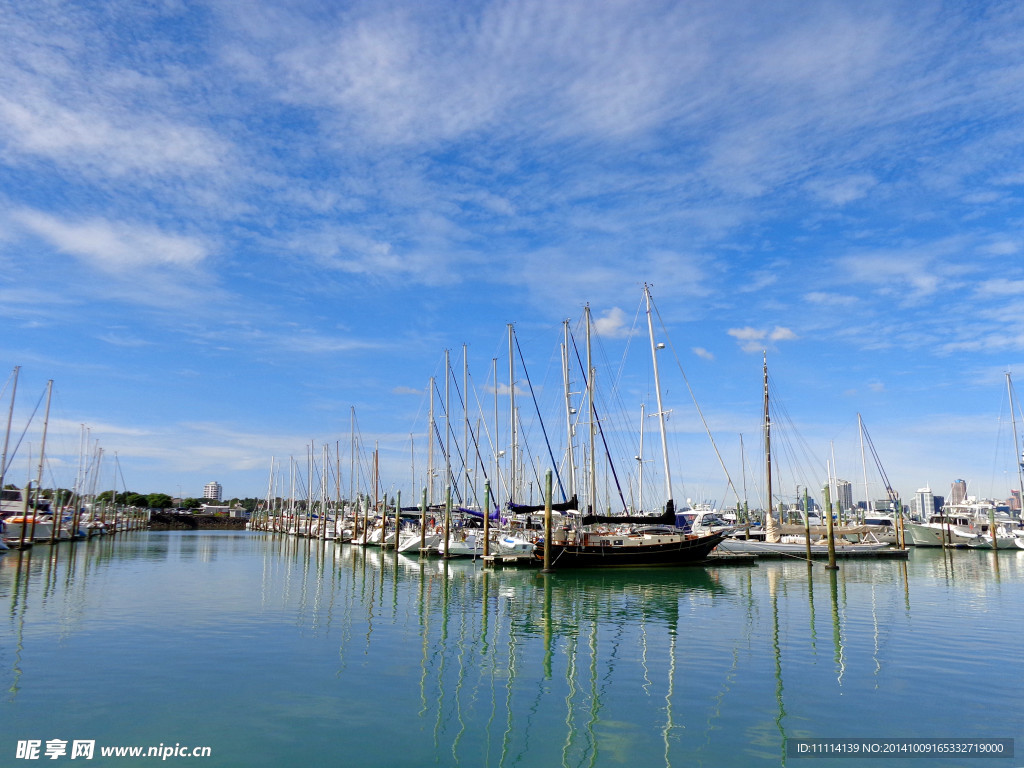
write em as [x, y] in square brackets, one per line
[940, 502]
[844, 494]
[212, 491]
[1015, 501]
[924, 503]
[958, 492]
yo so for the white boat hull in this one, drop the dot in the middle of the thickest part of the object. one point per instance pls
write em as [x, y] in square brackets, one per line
[755, 546]
[936, 535]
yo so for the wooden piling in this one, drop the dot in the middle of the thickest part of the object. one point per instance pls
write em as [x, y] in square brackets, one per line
[487, 518]
[831, 532]
[547, 523]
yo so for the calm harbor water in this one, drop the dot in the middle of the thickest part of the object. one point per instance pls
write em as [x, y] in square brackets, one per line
[273, 651]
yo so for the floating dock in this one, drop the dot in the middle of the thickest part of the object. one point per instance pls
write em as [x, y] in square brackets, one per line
[731, 558]
[507, 559]
[871, 554]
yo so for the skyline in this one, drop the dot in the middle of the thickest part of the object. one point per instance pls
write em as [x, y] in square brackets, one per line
[222, 232]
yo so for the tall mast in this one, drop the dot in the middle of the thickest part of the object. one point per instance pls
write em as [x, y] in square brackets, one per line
[1018, 458]
[512, 415]
[496, 442]
[323, 494]
[310, 470]
[7, 433]
[352, 459]
[864, 466]
[568, 409]
[767, 435]
[657, 391]
[592, 482]
[42, 445]
[430, 447]
[465, 423]
[640, 462]
[39, 479]
[270, 491]
[769, 525]
[447, 422]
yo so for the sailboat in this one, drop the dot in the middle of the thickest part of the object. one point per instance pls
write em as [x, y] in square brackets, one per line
[601, 541]
[774, 542]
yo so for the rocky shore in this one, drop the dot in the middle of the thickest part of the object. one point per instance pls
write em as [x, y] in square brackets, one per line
[165, 521]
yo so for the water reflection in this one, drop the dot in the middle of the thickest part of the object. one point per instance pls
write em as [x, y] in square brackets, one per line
[447, 662]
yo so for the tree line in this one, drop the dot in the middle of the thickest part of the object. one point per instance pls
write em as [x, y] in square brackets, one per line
[65, 496]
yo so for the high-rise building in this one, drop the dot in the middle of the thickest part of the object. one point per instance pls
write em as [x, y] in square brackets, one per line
[924, 503]
[844, 494]
[958, 492]
[212, 490]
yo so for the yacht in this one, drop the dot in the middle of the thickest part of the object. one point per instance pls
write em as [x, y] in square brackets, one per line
[944, 530]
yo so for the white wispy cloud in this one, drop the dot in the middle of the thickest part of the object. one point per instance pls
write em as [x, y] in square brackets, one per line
[403, 390]
[755, 339]
[840, 191]
[824, 298]
[111, 141]
[914, 273]
[123, 340]
[115, 246]
[613, 324]
[78, 96]
[401, 75]
[1000, 287]
[300, 171]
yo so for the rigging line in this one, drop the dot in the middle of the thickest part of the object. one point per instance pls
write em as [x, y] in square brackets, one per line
[462, 404]
[547, 442]
[893, 496]
[441, 446]
[476, 444]
[451, 472]
[600, 429]
[786, 437]
[14, 452]
[696, 405]
[10, 376]
[117, 463]
[616, 397]
[485, 432]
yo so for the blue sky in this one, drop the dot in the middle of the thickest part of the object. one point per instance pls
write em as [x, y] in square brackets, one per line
[224, 227]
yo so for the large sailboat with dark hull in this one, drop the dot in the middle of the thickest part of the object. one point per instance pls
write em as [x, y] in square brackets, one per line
[602, 541]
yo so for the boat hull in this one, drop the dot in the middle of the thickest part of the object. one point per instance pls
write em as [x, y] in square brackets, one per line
[930, 535]
[605, 553]
[755, 546]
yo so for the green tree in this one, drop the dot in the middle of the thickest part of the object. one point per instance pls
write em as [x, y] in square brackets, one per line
[159, 501]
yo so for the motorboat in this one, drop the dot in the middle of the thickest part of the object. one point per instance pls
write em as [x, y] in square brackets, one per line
[943, 530]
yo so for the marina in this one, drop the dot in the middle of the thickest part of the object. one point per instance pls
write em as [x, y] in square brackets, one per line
[511, 384]
[272, 650]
